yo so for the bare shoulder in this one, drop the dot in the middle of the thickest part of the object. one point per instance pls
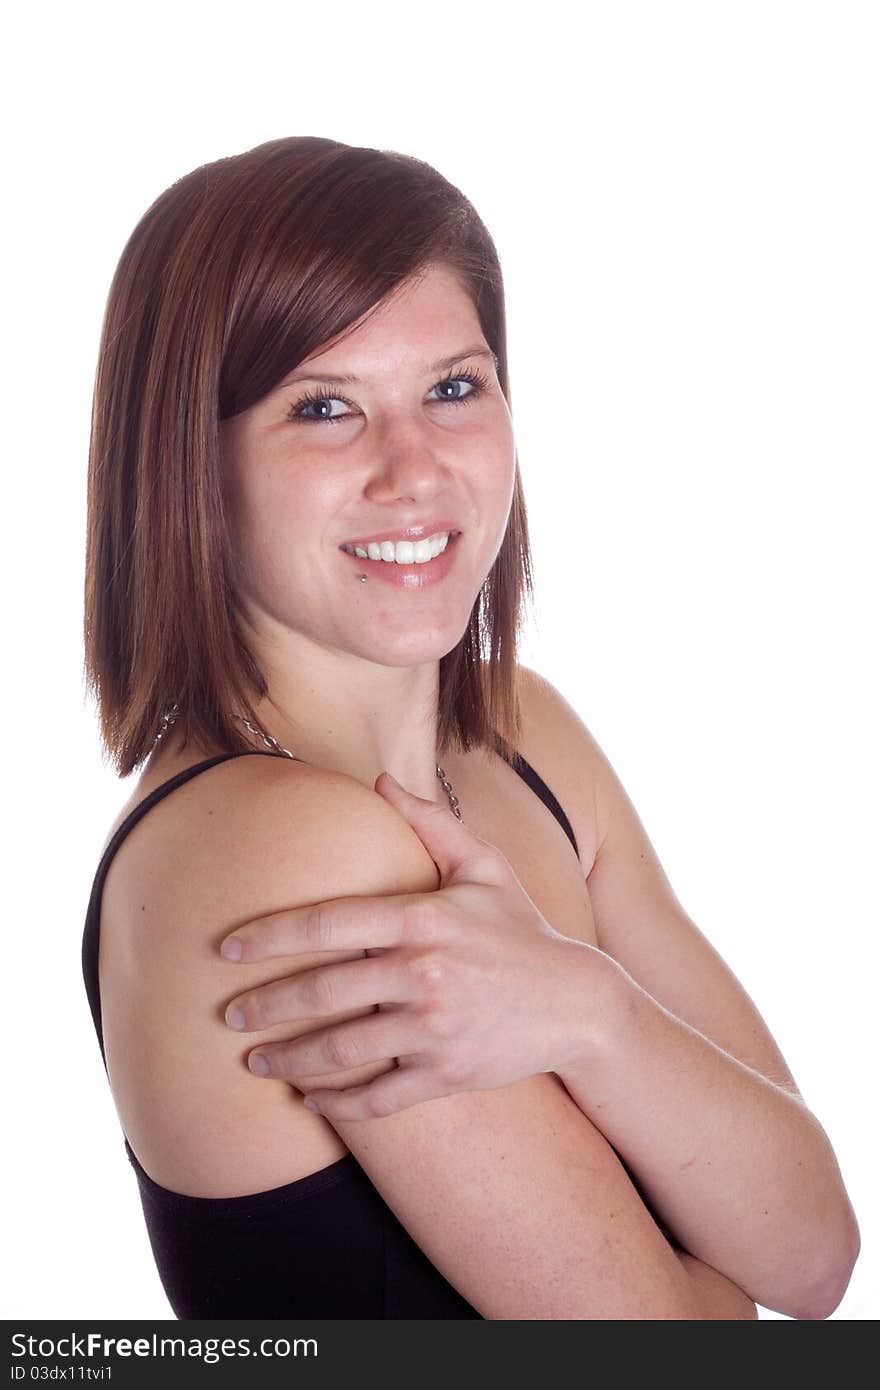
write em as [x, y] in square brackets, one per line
[512, 1193]
[234, 824]
[244, 838]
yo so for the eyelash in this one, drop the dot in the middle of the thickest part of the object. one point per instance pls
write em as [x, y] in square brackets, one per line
[472, 375]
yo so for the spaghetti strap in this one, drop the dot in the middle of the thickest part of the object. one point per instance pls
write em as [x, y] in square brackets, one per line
[540, 788]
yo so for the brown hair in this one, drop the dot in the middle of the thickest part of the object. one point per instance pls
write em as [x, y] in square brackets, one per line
[237, 273]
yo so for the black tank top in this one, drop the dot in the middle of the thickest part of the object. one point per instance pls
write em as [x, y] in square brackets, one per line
[325, 1246]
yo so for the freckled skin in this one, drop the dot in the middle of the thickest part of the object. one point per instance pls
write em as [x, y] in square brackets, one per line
[300, 490]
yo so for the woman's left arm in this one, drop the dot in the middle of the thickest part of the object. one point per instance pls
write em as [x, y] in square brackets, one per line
[468, 987]
[731, 1162]
[683, 1077]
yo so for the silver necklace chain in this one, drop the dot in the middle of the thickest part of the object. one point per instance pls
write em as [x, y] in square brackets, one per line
[171, 716]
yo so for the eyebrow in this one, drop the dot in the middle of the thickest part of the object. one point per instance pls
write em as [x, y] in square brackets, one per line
[307, 375]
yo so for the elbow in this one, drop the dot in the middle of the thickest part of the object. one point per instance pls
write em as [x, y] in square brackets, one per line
[832, 1281]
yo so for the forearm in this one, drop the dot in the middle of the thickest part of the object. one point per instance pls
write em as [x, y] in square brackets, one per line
[735, 1166]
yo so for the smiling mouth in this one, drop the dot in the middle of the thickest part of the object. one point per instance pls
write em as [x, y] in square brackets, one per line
[419, 552]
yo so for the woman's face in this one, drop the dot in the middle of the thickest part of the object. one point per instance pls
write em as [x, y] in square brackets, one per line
[408, 443]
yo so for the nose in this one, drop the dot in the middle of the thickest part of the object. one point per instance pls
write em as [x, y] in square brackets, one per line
[408, 463]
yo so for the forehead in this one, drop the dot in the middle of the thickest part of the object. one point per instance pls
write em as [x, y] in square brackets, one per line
[421, 322]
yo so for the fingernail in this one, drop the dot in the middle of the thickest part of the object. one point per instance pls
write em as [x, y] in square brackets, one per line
[312, 1105]
[231, 948]
[234, 1017]
[258, 1064]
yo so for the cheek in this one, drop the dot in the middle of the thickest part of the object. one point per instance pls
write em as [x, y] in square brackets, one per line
[501, 479]
[284, 501]
[493, 471]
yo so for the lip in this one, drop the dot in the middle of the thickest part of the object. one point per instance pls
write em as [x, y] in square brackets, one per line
[407, 533]
[410, 576]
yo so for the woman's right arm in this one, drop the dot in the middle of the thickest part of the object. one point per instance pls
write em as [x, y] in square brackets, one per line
[512, 1193]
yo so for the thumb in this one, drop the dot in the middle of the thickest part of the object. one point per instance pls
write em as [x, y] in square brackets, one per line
[446, 838]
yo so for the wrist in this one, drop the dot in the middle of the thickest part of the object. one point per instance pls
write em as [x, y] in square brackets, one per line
[603, 997]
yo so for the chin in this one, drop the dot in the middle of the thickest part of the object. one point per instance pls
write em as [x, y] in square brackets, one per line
[414, 648]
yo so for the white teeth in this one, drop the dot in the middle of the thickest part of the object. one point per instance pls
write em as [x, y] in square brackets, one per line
[403, 552]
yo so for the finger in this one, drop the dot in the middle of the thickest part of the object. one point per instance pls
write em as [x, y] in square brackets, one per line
[453, 847]
[338, 924]
[376, 1038]
[321, 992]
[396, 1090]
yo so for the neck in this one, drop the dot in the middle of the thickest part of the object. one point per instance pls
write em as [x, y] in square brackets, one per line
[356, 717]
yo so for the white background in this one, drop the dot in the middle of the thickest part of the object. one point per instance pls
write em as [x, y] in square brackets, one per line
[685, 201]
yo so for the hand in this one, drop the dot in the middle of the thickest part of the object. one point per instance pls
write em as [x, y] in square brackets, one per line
[474, 988]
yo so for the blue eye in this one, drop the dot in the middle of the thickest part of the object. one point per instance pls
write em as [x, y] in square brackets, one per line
[324, 396]
[321, 397]
[474, 379]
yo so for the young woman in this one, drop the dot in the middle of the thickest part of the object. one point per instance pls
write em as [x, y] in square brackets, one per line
[541, 1093]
